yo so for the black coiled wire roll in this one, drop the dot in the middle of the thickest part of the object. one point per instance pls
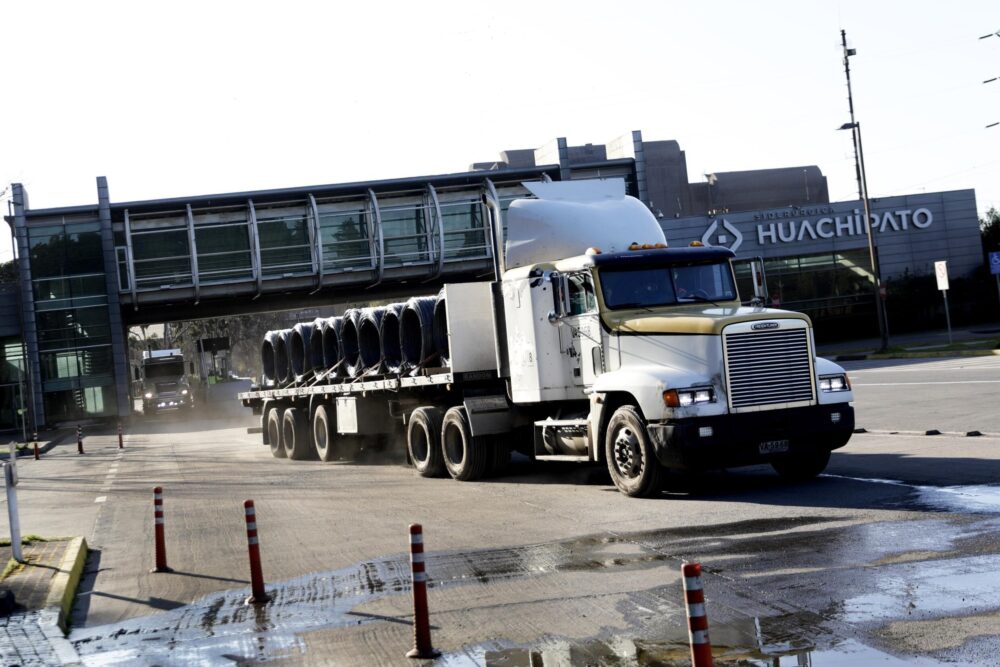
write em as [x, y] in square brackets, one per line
[439, 330]
[369, 341]
[416, 336]
[267, 361]
[282, 369]
[389, 338]
[298, 351]
[350, 354]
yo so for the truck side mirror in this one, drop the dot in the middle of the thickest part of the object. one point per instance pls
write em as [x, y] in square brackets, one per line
[560, 296]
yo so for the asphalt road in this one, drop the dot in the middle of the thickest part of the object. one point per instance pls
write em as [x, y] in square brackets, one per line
[888, 559]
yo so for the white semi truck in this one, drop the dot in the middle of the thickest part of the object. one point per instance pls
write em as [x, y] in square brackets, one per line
[595, 342]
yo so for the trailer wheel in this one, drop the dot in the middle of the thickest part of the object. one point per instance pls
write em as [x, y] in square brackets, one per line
[802, 466]
[631, 460]
[274, 429]
[295, 435]
[465, 457]
[324, 434]
[264, 413]
[423, 439]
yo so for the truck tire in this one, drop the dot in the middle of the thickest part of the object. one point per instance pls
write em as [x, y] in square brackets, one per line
[274, 429]
[500, 454]
[295, 435]
[801, 467]
[423, 438]
[465, 457]
[264, 414]
[324, 434]
[631, 459]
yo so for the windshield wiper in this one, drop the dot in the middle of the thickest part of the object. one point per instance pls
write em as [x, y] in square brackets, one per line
[700, 299]
[623, 306]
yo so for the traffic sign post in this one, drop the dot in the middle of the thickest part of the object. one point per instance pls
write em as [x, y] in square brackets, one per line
[941, 272]
[995, 269]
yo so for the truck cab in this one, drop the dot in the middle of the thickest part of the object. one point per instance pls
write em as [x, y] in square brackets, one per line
[165, 385]
[656, 362]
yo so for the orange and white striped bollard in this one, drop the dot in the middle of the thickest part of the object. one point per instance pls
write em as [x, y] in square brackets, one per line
[257, 593]
[160, 541]
[694, 599]
[421, 621]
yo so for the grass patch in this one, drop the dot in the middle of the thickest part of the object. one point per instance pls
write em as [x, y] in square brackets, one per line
[28, 539]
[12, 566]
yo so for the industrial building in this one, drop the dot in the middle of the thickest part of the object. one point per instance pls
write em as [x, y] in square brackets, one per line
[87, 273]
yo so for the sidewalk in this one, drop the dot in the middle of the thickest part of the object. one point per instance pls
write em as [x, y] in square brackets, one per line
[43, 588]
[46, 441]
[978, 340]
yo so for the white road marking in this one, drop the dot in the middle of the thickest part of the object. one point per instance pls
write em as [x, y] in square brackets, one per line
[100, 499]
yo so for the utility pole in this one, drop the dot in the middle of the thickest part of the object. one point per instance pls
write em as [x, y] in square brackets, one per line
[859, 166]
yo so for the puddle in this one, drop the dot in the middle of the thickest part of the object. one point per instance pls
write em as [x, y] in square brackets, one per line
[977, 499]
[626, 652]
[973, 499]
[930, 589]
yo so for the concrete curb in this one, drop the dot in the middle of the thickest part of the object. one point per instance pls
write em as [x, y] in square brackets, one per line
[62, 590]
[57, 439]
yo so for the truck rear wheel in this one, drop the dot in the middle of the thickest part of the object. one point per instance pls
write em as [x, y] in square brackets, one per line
[499, 454]
[423, 438]
[274, 429]
[295, 435]
[324, 434]
[802, 466]
[631, 459]
[465, 457]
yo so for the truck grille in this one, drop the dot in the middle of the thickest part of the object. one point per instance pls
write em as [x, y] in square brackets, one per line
[166, 387]
[766, 367]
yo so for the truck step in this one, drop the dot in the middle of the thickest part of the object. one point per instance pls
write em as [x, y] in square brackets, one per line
[562, 423]
[561, 457]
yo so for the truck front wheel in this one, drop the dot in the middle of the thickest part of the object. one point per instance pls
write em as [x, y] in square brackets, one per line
[801, 467]
[631, 460]
[464, 456]
[295, 435]
[423, 437]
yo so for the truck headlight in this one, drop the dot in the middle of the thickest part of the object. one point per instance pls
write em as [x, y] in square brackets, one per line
[831, 383]
[148, 394]
[184, 392]
[681, 398]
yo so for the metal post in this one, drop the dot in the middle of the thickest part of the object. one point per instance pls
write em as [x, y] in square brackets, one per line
[947, 315]
[10, 480]
[859, 166]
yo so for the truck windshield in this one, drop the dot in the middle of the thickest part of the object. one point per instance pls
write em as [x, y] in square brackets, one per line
[667, 285]
[170, 369]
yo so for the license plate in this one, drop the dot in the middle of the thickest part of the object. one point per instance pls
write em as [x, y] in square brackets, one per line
[773, 446]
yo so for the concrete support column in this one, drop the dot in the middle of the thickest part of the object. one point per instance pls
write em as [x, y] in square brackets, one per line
[29, 326]
[119, 347]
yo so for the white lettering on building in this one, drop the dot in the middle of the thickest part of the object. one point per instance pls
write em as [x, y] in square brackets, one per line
[839, 226]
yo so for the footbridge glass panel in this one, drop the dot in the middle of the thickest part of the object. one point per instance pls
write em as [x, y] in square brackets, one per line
[161, 254]
[285, 247]
[222, 239]
[344, 236]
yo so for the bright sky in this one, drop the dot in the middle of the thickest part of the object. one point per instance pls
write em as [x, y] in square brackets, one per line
[186, 98]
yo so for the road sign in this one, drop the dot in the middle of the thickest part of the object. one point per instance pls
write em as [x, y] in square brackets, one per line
[941, 271]
[995, 262]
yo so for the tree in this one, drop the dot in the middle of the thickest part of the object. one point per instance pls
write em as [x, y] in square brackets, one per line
[990, 229]
[8, 272]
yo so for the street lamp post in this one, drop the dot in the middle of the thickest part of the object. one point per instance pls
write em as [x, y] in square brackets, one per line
[859, 166]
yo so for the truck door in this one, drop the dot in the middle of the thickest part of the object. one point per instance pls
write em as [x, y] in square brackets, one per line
[582, 330]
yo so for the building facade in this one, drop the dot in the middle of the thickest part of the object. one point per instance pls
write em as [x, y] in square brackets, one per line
[87, 273]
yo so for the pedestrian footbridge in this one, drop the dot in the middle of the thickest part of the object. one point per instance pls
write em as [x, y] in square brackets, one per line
[281, 248]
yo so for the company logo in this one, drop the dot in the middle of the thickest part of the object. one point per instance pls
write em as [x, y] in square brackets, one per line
[711, 238]
[759, 326]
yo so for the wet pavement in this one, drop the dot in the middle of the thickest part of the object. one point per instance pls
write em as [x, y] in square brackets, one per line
[796, 589]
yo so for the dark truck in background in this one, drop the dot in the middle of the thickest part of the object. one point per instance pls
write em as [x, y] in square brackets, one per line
[165, 385]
